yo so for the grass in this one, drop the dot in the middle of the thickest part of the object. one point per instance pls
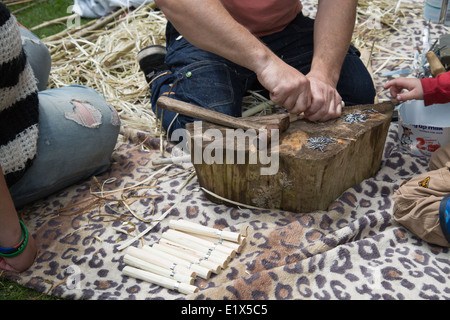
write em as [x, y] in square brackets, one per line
[29, 14]
[10, 290]
[35, 12]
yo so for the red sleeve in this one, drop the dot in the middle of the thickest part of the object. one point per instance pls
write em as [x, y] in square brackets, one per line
[436, 90]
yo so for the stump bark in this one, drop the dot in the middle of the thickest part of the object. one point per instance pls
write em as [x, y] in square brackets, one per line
[304, 179]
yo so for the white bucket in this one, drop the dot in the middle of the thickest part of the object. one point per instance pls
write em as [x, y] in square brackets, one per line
[437, 11]
[423, 130]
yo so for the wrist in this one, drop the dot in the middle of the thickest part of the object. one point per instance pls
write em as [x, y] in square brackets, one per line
[325, 74]
[11, 235]
[14, 250]
[261, 59]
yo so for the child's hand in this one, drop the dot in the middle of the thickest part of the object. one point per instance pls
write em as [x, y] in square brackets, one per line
[413, 85]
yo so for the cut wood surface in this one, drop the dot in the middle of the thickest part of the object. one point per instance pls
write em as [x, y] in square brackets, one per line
[306, 179]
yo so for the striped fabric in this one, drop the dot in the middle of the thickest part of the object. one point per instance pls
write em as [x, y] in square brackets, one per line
[18, 102]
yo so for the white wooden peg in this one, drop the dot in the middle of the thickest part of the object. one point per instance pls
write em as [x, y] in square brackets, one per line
[144, 265]
[201, 272]
[159, 280]
[169, 265]
[191, 227]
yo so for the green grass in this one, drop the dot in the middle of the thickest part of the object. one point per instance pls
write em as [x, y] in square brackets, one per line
[36, 12]
[10, 290]
[30, 14]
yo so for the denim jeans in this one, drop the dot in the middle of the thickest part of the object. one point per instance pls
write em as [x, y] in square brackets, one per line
[38, 57]
[78, 131]
[70, 148]
[210, 81]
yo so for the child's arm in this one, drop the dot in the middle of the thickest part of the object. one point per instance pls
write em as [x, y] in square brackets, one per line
[436, 90]
[413, 85]
[431, 90]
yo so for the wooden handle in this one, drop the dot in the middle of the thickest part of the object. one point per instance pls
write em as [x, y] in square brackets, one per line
[204, 114]
[436, 66]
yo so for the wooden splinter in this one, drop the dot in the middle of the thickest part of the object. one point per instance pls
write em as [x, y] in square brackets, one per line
[169, 265]
[191, 227]
[144, 265]
[159, 280]
[202, 272]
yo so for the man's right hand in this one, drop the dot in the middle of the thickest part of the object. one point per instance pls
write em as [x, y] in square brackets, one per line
[287, 86]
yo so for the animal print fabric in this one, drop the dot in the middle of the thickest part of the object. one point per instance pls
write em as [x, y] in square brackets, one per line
[353, 250]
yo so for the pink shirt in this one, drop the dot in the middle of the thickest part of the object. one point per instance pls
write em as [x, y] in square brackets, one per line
[263, 17]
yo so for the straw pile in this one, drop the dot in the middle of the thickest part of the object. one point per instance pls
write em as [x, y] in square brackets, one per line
[378, 19]
[102, 55]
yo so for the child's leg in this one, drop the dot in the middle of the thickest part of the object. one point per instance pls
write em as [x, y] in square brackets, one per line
[440, 157]
[78, 131]
[417, 205]
[38, 57]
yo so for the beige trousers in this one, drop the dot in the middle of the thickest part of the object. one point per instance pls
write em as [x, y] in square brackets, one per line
[417, 201]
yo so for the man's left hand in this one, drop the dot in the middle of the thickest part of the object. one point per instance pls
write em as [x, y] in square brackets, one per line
[326, 103]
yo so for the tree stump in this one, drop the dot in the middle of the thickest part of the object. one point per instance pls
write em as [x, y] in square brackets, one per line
[304, 179]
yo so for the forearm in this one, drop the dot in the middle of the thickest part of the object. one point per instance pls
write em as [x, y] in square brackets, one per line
[9, 221]
[333, 30]
[208, 25]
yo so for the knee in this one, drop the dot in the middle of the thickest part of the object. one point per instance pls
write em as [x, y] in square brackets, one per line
[355, 84]
[38, 57]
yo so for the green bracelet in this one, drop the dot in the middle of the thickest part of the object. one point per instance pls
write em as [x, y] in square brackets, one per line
[15, 251]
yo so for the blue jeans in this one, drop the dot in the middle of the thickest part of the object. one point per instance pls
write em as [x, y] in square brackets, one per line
[210, 81]
[69, 149]
[78, 131]
[38, 57]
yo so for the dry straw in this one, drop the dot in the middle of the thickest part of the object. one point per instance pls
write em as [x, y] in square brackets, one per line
[102, 55]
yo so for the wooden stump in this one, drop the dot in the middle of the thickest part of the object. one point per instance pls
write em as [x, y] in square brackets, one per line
[305, 179]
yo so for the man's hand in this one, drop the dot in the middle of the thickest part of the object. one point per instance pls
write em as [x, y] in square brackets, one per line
[326, 103]
[298, 93]
[287, 86]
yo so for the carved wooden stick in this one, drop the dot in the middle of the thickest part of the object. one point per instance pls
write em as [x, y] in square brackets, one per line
[150, 267]
[191, 227]
[213, 267]
[159, 280]
[206, 243]
[200, 255]
[232, 245]
[209, 251]
[202, 272]
[169, 265]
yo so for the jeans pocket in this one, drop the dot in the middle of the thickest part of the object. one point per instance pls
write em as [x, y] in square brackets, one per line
[209, 85]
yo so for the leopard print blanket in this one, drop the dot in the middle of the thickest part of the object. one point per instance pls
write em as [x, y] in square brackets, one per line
[353, 250]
